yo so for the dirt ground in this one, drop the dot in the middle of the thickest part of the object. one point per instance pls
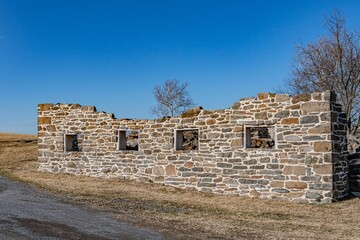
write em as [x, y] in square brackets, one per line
[184, 214]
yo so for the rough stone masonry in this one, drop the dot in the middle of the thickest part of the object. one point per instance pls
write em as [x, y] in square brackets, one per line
[272, 146]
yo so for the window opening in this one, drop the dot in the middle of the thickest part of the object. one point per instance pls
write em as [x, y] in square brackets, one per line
[187, 139]
[73, 142]
[260, 137]
[128, 140]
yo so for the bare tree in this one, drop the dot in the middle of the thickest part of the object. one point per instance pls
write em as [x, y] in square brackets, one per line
[332, 63]
[172, 98]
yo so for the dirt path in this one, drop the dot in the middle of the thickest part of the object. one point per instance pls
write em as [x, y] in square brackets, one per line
[26, 213]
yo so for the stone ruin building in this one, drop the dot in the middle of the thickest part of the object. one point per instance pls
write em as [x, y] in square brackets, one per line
[272, 146]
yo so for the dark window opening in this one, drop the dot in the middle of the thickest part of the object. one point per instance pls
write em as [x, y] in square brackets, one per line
[128, 140]
[260, 137]
[187, 139]
[73, 142]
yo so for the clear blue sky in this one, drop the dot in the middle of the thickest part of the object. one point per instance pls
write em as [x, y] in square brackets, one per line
[111, 53]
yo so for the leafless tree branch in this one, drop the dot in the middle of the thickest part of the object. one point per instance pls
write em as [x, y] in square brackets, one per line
[172, 98]
[331, 63]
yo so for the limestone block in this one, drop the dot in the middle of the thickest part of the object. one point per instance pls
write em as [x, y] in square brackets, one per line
[210, 121]
[170, 170]
[282, 114]
[322, 146]
[323, 128]
[288, 170]
[44, 107]
[280, 190]
[44, 120]
[299, 170]
[323, 168]
[316, 95]
[315, 107]
[301, 98]
[290, 121]
[236, 143]
[158, 170]
[105, 170]
[71, 165]
[235, 105]
[254, 194]
[277, 184]
[189, 165]
[309, 119]
[261, 115]
[263, 96]
[282, 97]
[313, 195]
[296, 185]
[293, 138]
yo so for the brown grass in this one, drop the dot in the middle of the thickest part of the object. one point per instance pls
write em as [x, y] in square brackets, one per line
[181, 214]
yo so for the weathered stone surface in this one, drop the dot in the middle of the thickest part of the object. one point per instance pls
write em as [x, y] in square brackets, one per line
[254, 194]
[261, 115]
[282, 97]
[299, 170]
[213, 135]
[105, 170]
[288, 170]
[44, 107]
[323, 168]
[71, 165]
[313, 195]
[324, 128]
[51, 128]
[309, 119]
[193, 112]
[293, 138]
[290, 121]
[282, 114]
[313, 138]
[189, 164]
[280, 190]
[316, 95]
[210, 121]
[158, 170]
[277, 184]
[296, 185]
[315, 107]
[236, 105]
[322, 146]
[264, 95]
[236, 143]
[44, 120]
[306, 148]
[170, 170]
[224, 165]
[301, 98]
[294, 170]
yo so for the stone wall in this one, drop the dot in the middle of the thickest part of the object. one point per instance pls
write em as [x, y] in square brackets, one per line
[302, 159]
[354, 174]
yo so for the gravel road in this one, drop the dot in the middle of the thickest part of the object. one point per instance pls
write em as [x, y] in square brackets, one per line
[27, 213]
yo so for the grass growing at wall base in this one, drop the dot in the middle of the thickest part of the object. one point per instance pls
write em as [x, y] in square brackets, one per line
[184, 214]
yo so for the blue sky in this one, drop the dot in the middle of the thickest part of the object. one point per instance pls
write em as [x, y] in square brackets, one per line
[111, 53]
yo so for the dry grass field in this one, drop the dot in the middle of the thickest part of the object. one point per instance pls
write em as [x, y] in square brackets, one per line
[181, 214]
